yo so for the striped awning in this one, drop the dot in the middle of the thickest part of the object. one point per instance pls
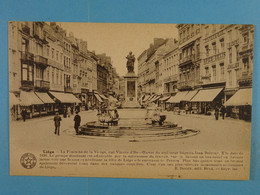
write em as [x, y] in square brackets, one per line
[206, 95]
[65, 97]
[29, 98]
[242, 97]
[13, 100]
[98, 97]
[178, 97]
[44, 97]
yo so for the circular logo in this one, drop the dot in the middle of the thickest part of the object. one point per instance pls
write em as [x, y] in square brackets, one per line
[28, 160]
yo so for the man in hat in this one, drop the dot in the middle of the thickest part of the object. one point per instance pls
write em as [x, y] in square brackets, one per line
[57, 120]
[77, 120]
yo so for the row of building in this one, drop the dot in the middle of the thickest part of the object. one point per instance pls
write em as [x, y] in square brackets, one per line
[209, 62]
[45, 60]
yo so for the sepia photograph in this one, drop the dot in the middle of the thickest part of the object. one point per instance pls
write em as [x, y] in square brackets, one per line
[130, 100]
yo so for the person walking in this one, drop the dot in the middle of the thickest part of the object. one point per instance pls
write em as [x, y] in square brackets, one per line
[223, 111]
[77, 120]
[57, 120]
[69, 111]
[186, 108]
[216, 112]
[24, 114]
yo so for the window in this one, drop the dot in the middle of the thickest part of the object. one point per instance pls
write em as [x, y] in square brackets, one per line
[230, 77]
[230, 35]
[222, 71]
[25, 45]
[57, 78]
[214, 47]
[207, 71]
[52, 53]
[246, 64]
[245, 38]
[48, 75]
[236, 74]
[48, 51]
[237, 54]
[27, 71]
[57, 55]
[52, 77]
[39, 73]
[222, 43]
[61, 79]
[207, 50]
[230, 55]
[214, 72]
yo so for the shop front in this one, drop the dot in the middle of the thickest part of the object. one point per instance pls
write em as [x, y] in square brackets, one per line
[205, 101]
[240, 104]
[31, 102]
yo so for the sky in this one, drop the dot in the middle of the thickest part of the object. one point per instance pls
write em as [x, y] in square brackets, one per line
[117, 39]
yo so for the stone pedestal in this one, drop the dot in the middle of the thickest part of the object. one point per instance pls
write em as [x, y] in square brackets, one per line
[130, 91]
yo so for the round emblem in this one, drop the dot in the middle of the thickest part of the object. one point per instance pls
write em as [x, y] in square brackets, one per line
[28, 160]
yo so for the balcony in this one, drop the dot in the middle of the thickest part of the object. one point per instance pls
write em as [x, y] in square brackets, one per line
[205, 77]
[41, 60]
[26, 84]
[172, 78]
[26, 56]
[68, 89]
[246, 78]
[55, 64]
[26, 29]
[214, 36]
[42, 84]
[232, 43]
[233, 66]
[187, 59]
[185, 85]
[214, 58]
[247, 47]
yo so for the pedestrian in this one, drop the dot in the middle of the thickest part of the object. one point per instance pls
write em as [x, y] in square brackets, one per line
[24, 114]
[57, 120]
[64, 111]
[216, 112]
[69, 111]
[77, 120]
[223, 111]
[72, 110]
[186, 108]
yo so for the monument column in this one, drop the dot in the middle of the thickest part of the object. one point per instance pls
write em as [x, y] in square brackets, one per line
[130, 84]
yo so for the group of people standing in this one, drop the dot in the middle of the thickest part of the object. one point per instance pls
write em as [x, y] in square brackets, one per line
[221, 110]
[57, 122]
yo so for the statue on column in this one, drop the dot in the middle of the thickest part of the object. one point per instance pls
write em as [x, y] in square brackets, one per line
[130, 62]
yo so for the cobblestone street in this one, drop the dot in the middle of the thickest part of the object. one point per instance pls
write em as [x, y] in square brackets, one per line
[38, 134]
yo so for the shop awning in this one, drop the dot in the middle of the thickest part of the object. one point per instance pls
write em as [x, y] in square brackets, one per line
[65, 97]
[146, 98]
[155, 98]
[44, 97]
[13, 100]
[98, 97]
[151, 97]
[241, 98]
[206, 95]
[178, 97]
[164, 98]
[190, 95]
[103, 97]
[29, 98]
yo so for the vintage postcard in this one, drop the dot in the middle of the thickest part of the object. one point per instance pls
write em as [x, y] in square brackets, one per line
[170, 101]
